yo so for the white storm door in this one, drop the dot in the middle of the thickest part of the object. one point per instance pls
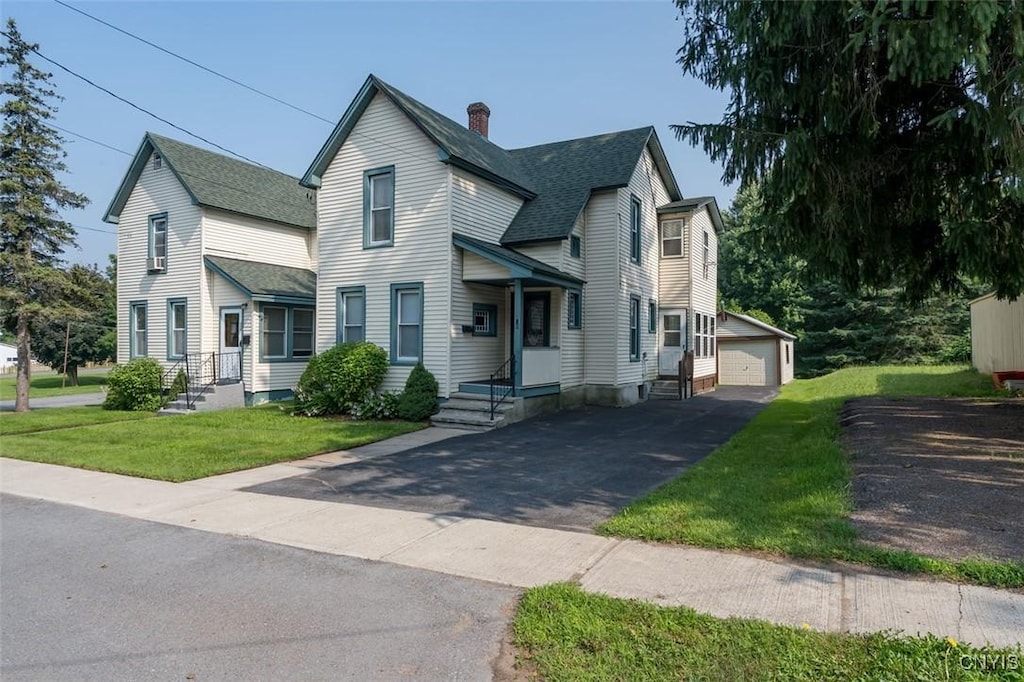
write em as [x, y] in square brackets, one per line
[673, 339]
[230, 345]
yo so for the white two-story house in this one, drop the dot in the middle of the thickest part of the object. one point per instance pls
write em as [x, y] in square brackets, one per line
[573, 269]
[571, 272]
[216, 268]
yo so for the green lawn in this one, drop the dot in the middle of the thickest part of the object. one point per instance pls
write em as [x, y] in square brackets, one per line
[194, 446]
[781, 484]
[566, 634]
[47, 384]
[13, 423]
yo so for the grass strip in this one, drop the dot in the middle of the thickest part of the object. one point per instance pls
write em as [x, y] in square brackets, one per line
[782, 484]
[567, 634]
[188, 447]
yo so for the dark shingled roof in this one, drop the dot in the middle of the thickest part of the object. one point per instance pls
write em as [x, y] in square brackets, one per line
[459, 141]
[221, 182]
[568, 172]
[265, 279]
[694, 204]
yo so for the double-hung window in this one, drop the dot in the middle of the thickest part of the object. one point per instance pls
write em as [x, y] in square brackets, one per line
[379, 207]
[672, 238]
[575, 309]
[287, 332]
[707, 253]
[157, 261]
[351, 314]
[138, 339]
[652, 317]
[704, 336]
[634, 229]
[177, 328]
[634, 328]
[575, 246]
[406, 323]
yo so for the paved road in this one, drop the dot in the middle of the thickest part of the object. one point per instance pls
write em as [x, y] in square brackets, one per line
[94, 596]
[76, 400]
[569, 470]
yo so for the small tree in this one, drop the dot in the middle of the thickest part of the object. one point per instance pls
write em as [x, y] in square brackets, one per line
[34, 236]
[419, 399]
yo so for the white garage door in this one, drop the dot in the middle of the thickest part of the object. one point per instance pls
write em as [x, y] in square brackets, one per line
[747, 363]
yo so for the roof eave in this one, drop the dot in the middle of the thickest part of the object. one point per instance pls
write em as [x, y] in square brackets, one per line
[761, 325]
[518, 270]
[459, 162]
[223, 273]
[342, 130]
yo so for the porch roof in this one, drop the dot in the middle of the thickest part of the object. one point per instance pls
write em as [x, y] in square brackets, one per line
[266, 281]
[520, 266]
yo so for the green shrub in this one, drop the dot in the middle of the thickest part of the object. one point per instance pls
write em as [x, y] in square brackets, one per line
[340, 377]
[376, 406]
[178, 386]
[135, 386]
[419, 399]
[957, 351]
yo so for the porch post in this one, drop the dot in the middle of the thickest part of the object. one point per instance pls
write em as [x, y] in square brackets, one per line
[517, 333]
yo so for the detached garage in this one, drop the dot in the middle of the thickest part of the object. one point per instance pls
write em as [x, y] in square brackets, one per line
[997, 334]
[752, 353]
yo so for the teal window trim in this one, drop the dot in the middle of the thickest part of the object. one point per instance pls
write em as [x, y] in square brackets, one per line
[368, 177]
[652, 316]
[707, 252]
[574, 315]
[133, 344]
[172, 303]
[341, 294]
[575, 246]
[634, 328]
[397, 289]
[290, 352]
[635, 213]
[492, 319]
[151, 247]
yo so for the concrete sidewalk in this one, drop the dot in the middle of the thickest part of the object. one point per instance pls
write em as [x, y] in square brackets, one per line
[722, 584]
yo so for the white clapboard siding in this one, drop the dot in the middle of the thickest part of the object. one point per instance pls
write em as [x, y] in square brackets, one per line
[704, 288]
[674, 271]
[997, 334]
[473, 267]
[246, 238]
[220, 293]
[600, 300]
[479, 208]
[158, 191]
[545, 252]
[475, 357]
[639, 279]
[572, 339]
[422, 249]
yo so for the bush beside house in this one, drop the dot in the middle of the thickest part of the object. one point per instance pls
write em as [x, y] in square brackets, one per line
[419, 399]
[340, 378]
[135, 386]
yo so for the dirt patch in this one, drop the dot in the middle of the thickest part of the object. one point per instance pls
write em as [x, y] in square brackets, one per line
[937, 476]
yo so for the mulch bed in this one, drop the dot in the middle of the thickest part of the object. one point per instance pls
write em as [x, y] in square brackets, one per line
[942, 477]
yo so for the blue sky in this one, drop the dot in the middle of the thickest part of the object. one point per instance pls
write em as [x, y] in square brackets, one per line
[548, 71]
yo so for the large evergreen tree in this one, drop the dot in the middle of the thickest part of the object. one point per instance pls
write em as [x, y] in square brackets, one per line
[888, 136]
[34, 236]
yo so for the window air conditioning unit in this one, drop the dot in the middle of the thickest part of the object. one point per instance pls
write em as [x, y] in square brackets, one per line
[156, 263]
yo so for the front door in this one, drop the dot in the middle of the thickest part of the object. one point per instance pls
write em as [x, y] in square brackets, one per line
[230, 362]
[673, 341]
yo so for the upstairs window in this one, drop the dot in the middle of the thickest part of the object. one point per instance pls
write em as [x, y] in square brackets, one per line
[706, 254]
[379, 207]
[672, 239]
[158, 162]
[157, 258]
[574, 246]
[634, 229]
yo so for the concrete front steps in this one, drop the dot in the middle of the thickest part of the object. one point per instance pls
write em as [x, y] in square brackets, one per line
[665, 389]
[215, 397]
[472, 412]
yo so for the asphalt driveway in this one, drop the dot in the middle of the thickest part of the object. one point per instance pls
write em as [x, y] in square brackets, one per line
[569, 470]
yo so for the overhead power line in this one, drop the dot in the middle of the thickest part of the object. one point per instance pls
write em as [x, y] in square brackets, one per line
[89, 139]
[195, 64]
[133, 105]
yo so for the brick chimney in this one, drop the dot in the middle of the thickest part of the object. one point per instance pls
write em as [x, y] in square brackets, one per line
[478, 116]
